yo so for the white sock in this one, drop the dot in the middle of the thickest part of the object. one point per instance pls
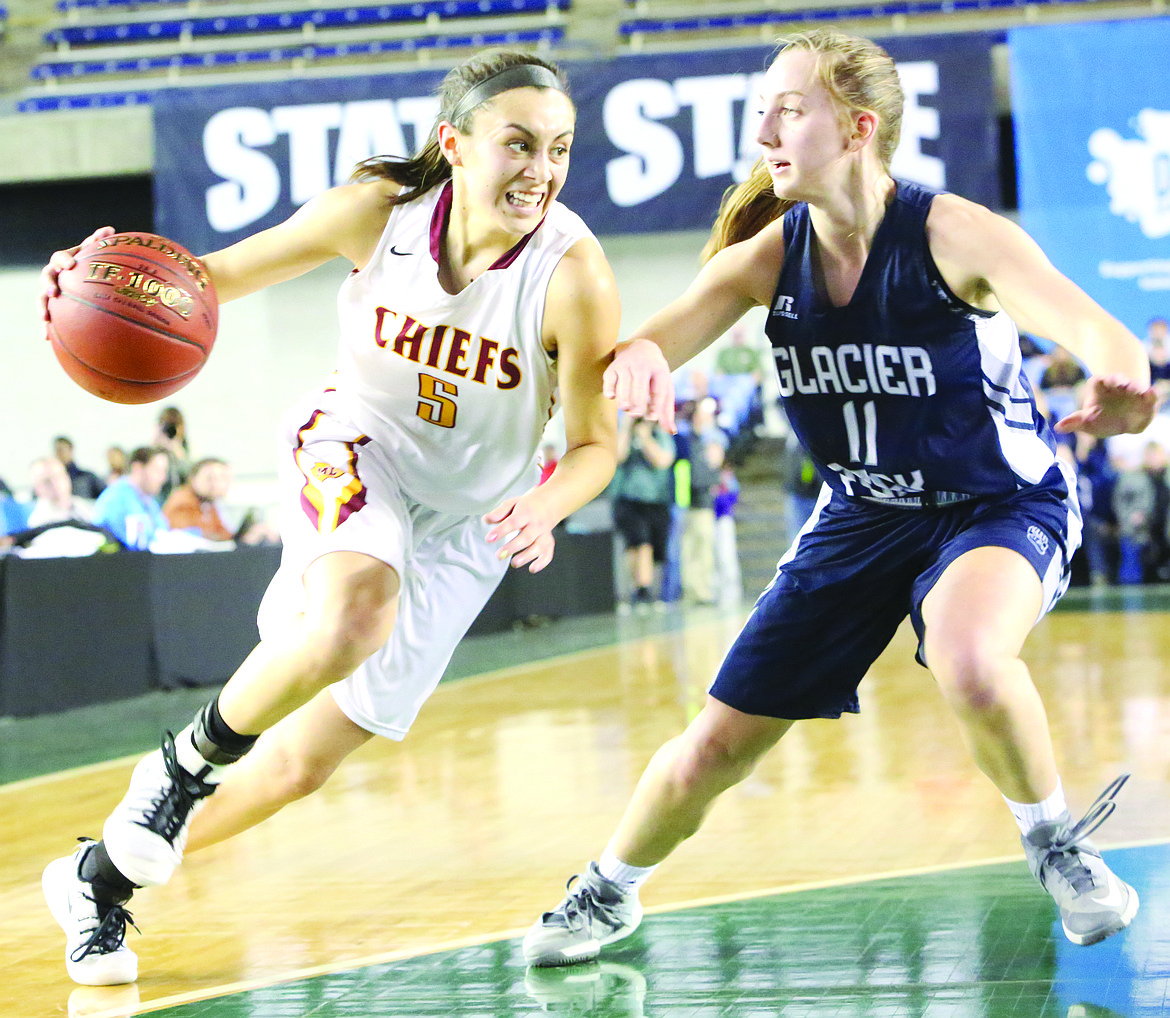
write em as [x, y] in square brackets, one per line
[1028, 815]
[628, 878]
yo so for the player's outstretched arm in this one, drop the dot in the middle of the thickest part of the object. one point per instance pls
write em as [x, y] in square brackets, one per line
[973, 246]
[345, 221]
[735, 280]
[581, 315]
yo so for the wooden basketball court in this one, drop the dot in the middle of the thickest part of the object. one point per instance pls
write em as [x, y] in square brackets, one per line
[402, 887]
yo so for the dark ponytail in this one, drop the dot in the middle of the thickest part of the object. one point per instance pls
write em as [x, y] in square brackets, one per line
[429, 168]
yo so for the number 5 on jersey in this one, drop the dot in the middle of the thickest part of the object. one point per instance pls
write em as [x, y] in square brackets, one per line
[434, 403]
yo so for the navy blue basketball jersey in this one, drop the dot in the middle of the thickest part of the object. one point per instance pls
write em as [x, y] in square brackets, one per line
[906, 389]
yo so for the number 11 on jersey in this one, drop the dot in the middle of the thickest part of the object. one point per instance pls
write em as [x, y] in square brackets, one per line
[853, 433]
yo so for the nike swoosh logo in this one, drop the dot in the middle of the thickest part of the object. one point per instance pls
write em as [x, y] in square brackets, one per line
[401, 254]
[1116, 897]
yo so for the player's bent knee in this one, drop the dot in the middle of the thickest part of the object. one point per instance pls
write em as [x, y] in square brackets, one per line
[344, 641]
[711, 763]
[971, 684]
[298, 775]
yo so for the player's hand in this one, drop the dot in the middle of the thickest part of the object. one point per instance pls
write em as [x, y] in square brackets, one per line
[1112, 405]
[639, 381]
[525, 531]
[58, 263]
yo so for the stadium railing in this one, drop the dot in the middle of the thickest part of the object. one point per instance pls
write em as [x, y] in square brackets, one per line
[85, 69]
[666, 21]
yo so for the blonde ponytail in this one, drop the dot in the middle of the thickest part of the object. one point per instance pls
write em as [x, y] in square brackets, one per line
[746, 209]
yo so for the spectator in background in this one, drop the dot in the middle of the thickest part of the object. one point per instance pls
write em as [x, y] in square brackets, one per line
[171, 436]
[1096, 479]
[1034, 358]
[53, 511]
[643, 494]
[691, 386]
[129, 507]
[194, 505]
[739, 373]
[730, 580]
[1158, 347]
[53, 497]
[86, 484]
[802, 482]
[670, 578]
[1140, 501]
[116, 457]
[706, 447]
[13, 515]
[1060, 383]
[197, 506]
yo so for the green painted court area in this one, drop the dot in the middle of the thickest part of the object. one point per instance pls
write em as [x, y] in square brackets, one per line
[967, 943]
[976, 942]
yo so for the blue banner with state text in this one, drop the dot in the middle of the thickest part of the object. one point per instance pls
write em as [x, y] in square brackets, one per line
[1092, 110]
[659, 138]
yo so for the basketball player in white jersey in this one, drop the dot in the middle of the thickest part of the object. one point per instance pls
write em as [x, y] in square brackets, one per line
[892, 314]
[476, 303]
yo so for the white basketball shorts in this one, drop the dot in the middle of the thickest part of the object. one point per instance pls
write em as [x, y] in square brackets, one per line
[339, 492]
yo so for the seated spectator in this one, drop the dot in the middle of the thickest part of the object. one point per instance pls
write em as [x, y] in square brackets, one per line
[116, 456]
[193, 506]
[59, 523]
[86, 484]
[13, 516]
[198, 506]
[53, 497]
[129, 507]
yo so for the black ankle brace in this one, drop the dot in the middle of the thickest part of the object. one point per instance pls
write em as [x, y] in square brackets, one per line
[109, 884]
[216, 742]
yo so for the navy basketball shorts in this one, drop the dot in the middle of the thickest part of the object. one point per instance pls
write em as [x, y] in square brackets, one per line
[856, 570]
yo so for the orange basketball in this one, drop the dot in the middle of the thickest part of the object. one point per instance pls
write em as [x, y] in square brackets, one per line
[136, 318]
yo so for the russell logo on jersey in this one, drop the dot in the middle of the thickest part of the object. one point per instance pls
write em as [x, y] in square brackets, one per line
[783, 307]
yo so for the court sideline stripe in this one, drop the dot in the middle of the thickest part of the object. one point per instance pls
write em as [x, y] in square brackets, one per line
[405, 954]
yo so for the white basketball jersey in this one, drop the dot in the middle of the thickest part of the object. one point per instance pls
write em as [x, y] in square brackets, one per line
[456, 389]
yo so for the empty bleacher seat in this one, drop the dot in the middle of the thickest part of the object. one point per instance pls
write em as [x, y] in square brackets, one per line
[116, 51]
[674, 18]
[154, 29]
[301, 51]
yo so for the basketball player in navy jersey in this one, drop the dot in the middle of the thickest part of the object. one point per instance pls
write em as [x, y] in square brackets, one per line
[893, 318]
[409, 482]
